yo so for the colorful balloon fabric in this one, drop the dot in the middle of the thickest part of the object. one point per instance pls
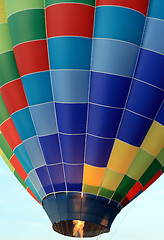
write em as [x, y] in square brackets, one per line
[81, 104]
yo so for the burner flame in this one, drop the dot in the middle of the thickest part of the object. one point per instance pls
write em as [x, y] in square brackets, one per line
[78, 228]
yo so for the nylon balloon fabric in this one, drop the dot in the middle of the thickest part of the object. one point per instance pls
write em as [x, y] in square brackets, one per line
[81, 105]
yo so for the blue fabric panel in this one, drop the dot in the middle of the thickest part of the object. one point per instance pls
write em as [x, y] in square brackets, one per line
[70, 52]
[74, 177]
[103, 121]
[98, 151]
[154, 35]
[115, 57]
[33, 148]
[44, 119]
[100, 207]
[71, 118]
[87, 208]
[109, 90]
[74, 205]
[50, 148]
[133, 128]
[160, 116]
[37, 87]
[73, 148]
[23, 123]
[145, 99]
[36, 182]
[156, 9]
[23, 157]
[74, 201]
[70, 86]
[62, 204]
[87, 205]
[57, 177]
[44, 177]
[51, 208]
[150, 68]
[31, 186]
[119, 23]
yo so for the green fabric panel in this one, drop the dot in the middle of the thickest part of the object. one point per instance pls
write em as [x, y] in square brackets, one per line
[5, 40]
[124, 187]
[8, 68]
[90, 189]
[88, 2]
[162, 170]
[4, 114]
[8, 162]
[118, 197]
[20, 180]
[160, 157]
[139, 165]
[105, 192]
[18, 5]
[5, 147]
[150, 172]
[27, 25]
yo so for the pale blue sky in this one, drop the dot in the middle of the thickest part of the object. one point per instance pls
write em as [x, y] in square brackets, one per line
[22, 218]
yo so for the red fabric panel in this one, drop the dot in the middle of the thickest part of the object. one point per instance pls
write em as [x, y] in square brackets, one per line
[158, 174]
[18, 167]
[14, 96]
[124, 202]
[32, 57]
[10, 133]
[138, 5]
[135, 189]
[70, 19]
[131, 194]
[31, 193]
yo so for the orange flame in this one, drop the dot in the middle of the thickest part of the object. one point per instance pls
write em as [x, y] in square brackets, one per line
[78, 228]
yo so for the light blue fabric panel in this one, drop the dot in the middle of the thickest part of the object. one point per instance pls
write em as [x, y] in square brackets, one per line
[154, 35]
[111, 56]
[44, 118]
[35, 180]
[156, 9]
[33, 189]
[119, 23]
[70, 86]
[33, 148]
[23, 157]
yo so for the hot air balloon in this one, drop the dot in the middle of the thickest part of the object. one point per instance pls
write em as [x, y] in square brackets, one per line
[81, 105]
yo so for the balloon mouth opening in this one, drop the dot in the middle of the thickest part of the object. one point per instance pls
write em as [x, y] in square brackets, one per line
[79, 229]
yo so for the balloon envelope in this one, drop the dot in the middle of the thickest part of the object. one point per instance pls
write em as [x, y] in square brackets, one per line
[81, 104]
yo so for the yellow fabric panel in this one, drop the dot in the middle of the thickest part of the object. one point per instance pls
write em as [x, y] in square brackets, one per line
[3, 17]
[154, 140]
[122, 156]
[93, 175]
[112, 179]
[0, 151]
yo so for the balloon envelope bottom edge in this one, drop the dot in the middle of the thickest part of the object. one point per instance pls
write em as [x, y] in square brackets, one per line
[95, 213]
